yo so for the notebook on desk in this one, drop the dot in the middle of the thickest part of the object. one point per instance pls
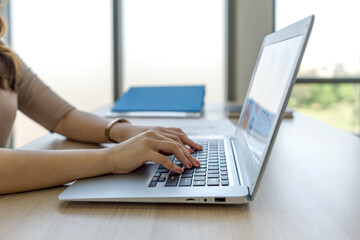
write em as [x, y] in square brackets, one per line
[231, 166]
[164, 101]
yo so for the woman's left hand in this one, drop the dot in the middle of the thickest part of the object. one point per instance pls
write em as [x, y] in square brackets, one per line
[123, 131]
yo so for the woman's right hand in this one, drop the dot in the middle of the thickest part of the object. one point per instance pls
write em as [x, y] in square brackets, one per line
[148, 146]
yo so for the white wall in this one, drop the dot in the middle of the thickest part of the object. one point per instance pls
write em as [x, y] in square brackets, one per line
[254, 20]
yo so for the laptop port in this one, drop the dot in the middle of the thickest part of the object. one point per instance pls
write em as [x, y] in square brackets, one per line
[220, 199]
[190, 199]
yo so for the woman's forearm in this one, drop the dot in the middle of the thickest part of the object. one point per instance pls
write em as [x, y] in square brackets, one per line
[82, 126]
[90, 128]
[23, 170]
[87, 127]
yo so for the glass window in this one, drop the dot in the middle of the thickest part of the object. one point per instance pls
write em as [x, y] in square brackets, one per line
[334, 104]
[68, 45]
[178, 42]
[333, 49]
[333, 52]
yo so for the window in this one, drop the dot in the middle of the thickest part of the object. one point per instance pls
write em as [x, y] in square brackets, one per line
[164, 42]
[175, 42]
[329, 78]
[68, 45]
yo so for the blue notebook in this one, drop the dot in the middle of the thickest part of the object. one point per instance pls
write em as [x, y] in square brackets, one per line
[174, 101]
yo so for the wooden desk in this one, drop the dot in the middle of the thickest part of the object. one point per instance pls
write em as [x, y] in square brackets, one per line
[310, 190]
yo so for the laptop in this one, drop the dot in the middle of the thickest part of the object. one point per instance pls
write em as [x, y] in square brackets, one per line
[231, 166]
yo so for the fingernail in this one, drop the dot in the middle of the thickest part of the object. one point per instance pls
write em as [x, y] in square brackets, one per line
[180, 169]
[190, 165]
[197, 162]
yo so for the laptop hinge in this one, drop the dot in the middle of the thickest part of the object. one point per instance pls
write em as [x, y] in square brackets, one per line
[249, 197]
[236, 158]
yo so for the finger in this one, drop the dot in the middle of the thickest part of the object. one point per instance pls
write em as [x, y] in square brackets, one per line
[192, 160]
[184, 138]
[159, 133]
[177, 139]
[163, 160]
[170, 146]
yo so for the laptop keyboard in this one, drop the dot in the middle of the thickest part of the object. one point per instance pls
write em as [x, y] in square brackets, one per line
[212, 172]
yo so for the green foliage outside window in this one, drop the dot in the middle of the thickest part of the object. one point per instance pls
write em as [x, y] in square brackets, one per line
[335, 104]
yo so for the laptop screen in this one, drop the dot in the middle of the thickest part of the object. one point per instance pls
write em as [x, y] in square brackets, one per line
[269, 86]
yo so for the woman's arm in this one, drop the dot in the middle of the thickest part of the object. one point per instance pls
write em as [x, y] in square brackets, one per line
[44, 106]
[87, 127]
[82, 126]
[24, 170]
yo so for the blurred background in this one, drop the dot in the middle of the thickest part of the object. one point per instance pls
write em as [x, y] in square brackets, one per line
[92, 51]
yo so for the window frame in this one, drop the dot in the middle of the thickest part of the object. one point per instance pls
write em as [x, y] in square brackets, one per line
[231, 56]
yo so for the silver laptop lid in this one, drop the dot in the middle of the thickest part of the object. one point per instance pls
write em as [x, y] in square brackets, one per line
[271, 84]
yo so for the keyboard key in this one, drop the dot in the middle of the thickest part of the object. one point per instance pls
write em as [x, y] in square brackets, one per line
[185, 182]
[201, 167]
[174, 174]
[213, 172]
[224, 173]
[199, 178]
[188, 171]
[155, 179]
[199, 183]
[224, 177]
[152, 184]
[157, 175]
[162, 179]
[213, 168]
[200, 170]
[223, 169]
[213, 176]
[200, 174]
[162, 171]
[225, 183]
[187, 175]
[213, 182]
[172, 181]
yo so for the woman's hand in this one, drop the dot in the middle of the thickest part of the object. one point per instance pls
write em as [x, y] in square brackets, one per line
[123, 131]
[149, 146]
